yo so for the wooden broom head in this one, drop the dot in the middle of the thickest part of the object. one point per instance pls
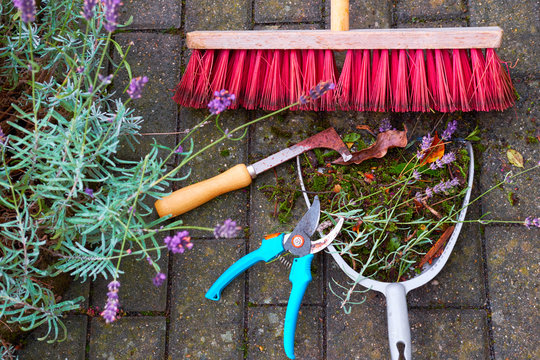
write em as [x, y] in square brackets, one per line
[430, 38]
[397, 70]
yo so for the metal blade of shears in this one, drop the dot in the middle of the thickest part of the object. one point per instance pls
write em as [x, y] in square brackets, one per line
[326, 240]
[299, 240]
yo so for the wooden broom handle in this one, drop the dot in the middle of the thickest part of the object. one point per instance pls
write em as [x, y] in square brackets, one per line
[339, 13]
[192, 196]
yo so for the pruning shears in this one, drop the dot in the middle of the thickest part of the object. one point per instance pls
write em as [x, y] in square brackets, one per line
[298, 242]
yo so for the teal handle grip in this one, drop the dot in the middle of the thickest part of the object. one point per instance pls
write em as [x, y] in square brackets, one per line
[269, 249]
[300, 277]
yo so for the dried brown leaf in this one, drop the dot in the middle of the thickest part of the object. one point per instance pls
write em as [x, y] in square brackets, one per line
[385, 141]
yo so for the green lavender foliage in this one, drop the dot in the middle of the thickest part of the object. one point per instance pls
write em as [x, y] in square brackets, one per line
[71, 145]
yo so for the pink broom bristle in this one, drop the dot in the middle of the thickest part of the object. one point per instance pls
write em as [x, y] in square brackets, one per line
[201, 93]
[219, 71]
[255, 78]
[461, 78]
[361, 82]
[400, 81]
[479, 81]
[343, 89]
[329, 73]
[419, 89]
[309, 71]
[438, 81]
[235, 76]
[272, 91]
[184, 91]
[501, 83]
[447, 63]
[380, 96]
[294, 85]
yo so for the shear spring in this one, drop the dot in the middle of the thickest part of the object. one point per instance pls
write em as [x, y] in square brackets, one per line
[285, 262]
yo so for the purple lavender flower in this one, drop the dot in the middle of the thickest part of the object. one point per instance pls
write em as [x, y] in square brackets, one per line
[320, 89]
[179, 242]
[222, 100]
[88, 9]
[226, 230]
[445, 185]
[159, 279]
[2, 138]
[450, 129]
[446, 159]
[136, 86]
[179, 149]
[89, 192]
[385, 125]
[79, 69]
[429, 192]
[418, 196]
[424, 146]
[111, 14]
[106, 80]
[111, 307]
[530, 221]
[27, 9]
[416, 175]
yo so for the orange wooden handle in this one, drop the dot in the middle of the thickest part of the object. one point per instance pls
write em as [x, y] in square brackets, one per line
[339, 15]
[192, 196]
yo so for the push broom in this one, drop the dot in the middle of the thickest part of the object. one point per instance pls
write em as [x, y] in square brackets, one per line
[398, 70]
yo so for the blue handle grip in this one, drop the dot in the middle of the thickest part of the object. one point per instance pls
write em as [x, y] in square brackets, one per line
[269, 249]
[300, 277]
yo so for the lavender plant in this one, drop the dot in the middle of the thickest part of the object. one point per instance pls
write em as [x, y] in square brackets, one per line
[64, 193]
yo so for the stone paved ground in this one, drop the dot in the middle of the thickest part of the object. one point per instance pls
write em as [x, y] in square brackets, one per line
[483, 305]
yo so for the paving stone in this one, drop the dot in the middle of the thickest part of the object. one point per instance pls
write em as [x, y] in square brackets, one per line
[453, 334]
[516, 128]
[217, 14]
[407, 10]
[265, 333]
[365, 14]
[211, 163]
[137, 292]
[72, 348]
[268, 283]
[156, 107]
[201, 328]
[130, 338]
[77, 288]
[157, 14]
[513, 273]
[519, 20]
[436, 334]
[286, 11]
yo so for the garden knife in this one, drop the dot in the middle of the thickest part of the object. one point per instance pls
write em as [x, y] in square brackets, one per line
[239, 176]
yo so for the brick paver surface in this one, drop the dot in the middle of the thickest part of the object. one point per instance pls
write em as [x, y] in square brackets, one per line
[483, 305]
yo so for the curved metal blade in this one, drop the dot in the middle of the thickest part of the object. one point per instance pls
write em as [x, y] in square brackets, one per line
[304, 230]
[326, 240]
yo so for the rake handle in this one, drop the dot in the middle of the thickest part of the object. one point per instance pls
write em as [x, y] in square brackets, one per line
[339, 15]
[192, 196]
